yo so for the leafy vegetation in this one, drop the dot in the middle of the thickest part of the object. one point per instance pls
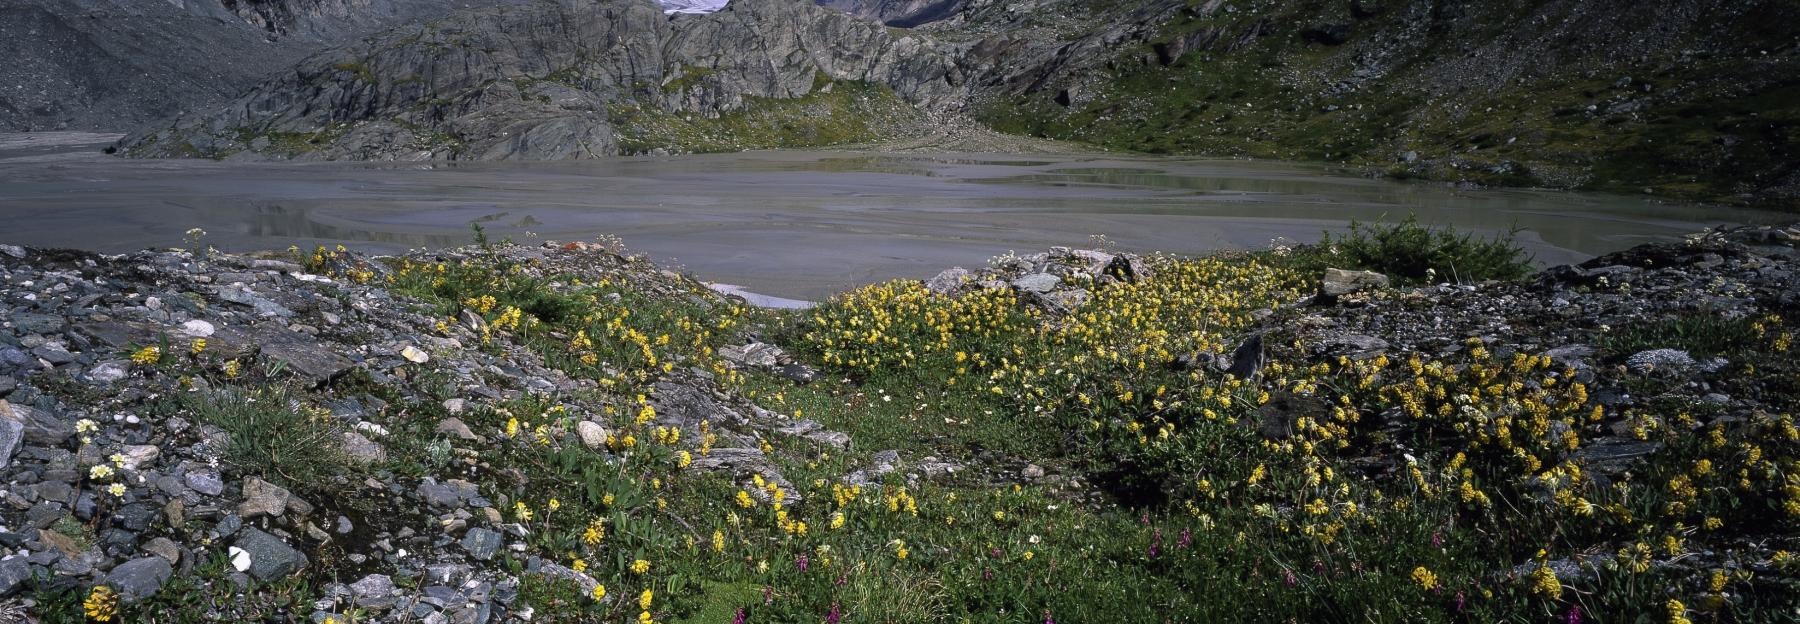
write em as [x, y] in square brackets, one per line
[273, 434]
[1413, 253]
[834, 113]
[1680, 122]
[1701, 335]
[1442, 487]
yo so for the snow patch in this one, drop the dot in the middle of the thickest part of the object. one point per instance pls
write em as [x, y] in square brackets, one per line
[692, 6]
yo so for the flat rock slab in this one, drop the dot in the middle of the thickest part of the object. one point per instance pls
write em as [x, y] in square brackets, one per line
[302, 354]
[140, 578]
[270, 557]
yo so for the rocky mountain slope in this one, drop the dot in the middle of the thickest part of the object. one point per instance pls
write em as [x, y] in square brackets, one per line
[564, 433]
[1690, 99]
[116, 65]
[576, 80]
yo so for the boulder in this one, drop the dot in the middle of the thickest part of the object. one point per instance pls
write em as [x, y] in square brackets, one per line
[270, 558]
[1339, 282]
[262, 498]
[139, 578]
[363, 450]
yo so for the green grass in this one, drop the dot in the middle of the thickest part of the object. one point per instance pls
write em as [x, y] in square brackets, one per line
[849, 112]
[273, 435]
[1702, 335]
[1718, 127]
[1163, 502]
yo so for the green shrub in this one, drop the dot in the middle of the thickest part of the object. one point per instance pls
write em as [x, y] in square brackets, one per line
[1701, 335]
[1412, 253]
[273, 435]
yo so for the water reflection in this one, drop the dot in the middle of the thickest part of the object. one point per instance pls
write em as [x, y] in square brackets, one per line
[790, 224]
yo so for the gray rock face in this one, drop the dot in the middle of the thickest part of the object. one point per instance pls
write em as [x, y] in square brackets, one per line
[1339, 282]
[140, 578]
[14, 573]
[205, 481]
[12, 432]
[362, 449]
[540, 81]
[262, 498]
[270, 557]
[117, 64]
[304, 356]
[481, 543]
[949, 281]
[1037, 283]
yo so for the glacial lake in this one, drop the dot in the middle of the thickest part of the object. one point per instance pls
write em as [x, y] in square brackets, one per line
[797, 224]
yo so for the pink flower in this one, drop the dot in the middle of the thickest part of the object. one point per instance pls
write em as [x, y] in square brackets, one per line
[739, 618]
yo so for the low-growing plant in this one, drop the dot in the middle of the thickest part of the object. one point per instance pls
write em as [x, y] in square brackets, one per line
[1701, 335]
[273, 434]
[1410, 252]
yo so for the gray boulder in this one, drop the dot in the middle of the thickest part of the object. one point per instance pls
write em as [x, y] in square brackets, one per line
[139, 578]
[270, 557]
[1339, 282]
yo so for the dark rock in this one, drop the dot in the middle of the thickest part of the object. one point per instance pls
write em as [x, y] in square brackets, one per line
[14, 573]
[1276, 419]
[54, 353]
[307, 357]
[1247, 359]
[270, 557]
[139, 578]
[39, 427]
[481, 543]
[205, 481]
[39, 323]
[1328, 34]
[12, 433]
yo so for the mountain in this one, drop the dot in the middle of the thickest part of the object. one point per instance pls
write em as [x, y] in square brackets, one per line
[580, 79]
[118, 64]
[1693, 99]
[1696, 99]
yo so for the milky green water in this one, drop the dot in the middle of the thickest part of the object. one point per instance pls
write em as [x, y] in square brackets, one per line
[790, 224]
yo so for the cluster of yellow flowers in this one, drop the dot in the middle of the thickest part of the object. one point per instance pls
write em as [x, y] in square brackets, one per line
[147, 356]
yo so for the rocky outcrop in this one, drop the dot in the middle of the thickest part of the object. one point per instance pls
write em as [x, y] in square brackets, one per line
[1610, 95]
[117, 64]
[105, 487]
[551, 81]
